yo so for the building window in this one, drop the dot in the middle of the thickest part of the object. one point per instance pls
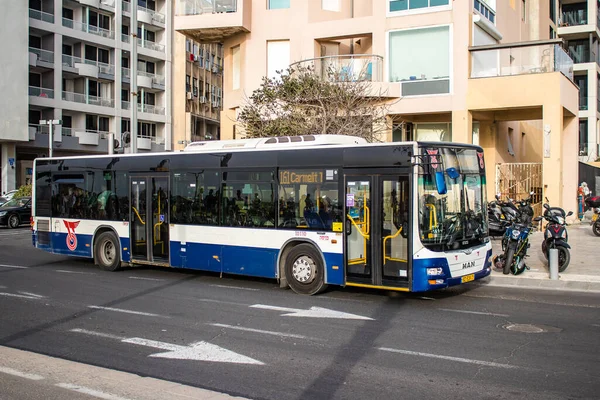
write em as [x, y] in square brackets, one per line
[428, 71]
[583, 135]
[188, 86]
[582, 82]
[195, 87]
[433, 132]
[404, 5]
[330, 5]
[237, 67]
[552, 33]
[278, 57]
[278, 4]
[146, 129]
[487, 8]
[523, 10]
[553, 10]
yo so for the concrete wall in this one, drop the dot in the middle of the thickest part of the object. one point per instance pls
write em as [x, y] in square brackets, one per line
[14, 59]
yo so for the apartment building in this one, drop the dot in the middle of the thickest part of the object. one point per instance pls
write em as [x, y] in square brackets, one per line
[477, 71]
[578, 24]
[197, 89]
[70, 60]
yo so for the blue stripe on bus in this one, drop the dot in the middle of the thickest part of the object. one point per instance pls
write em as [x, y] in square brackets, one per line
[420, 277]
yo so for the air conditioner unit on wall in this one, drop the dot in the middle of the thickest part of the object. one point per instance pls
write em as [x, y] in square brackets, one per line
[188, 95]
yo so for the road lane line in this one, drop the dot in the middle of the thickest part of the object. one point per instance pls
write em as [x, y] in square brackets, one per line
[596, 325]
[21, 296]
[64, 271]
[127, 311]
[25, 375]
[241, 328]
[458, 359]
[235, 287]
[12, 266]
[99, 334]
[32, 294]
[474, 312]
[221, 302]
[146, 279]
[90, 391]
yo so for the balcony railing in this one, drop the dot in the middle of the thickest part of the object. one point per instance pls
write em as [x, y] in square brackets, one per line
[41, 92]
[156, 79]
[151, 109]
[43, 55]
[126, 6]
[70, 61]
[485, 10]
[124, 38]
[574, 17]
[108, 3]
[520, 58]
[346, 68]
[40, 15]
[102, 134]
[196, 7]
[82, 98]
[125, 105]
[67, 131]
[125, 72]
[80, 26]
[103, 68]
[156, 16]
[151, 45]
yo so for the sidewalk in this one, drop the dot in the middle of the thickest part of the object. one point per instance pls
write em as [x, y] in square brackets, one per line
[582, 274]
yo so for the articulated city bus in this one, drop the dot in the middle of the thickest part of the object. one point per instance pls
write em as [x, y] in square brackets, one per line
[309, 211]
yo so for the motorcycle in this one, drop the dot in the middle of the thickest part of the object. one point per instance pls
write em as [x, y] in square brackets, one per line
[556, 236]
[515, 241]
[497, 222]
[594, 202]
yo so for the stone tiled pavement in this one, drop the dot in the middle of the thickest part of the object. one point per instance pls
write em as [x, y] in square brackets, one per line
[582, 274]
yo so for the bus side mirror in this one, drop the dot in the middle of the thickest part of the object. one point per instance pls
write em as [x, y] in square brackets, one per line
[440, 183]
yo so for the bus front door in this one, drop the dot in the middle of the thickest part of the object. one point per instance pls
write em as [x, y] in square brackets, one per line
[149, 219]
[377, 230]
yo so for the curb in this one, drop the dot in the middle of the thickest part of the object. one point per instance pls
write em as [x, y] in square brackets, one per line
[564, 283]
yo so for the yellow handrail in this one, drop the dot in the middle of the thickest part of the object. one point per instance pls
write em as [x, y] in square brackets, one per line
[394, 236]
[138, 215]
[365, 235]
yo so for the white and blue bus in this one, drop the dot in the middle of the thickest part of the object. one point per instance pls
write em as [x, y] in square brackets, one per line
[308, 211]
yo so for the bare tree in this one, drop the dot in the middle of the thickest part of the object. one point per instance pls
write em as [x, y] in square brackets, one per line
[301, 101]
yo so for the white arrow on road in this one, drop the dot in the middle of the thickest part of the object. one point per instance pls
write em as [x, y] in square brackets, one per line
[313, 312]
[200, 351]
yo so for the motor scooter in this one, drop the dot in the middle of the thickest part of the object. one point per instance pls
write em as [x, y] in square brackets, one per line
[556, 236]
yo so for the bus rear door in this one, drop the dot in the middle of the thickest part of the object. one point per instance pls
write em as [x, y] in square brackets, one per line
[149, 219]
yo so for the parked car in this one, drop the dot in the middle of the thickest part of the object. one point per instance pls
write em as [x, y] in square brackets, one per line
[15, 212]
[10, 194]
[3, 200]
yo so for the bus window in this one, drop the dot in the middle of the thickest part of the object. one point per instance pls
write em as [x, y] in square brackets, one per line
[195, 198]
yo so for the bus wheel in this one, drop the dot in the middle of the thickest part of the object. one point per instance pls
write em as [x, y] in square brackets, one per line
[304, 270]
[107, 252]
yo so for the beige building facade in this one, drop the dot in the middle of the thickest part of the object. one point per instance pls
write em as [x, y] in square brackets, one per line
[482, 72]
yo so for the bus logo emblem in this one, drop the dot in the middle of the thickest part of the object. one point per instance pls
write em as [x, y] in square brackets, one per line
[71, 237]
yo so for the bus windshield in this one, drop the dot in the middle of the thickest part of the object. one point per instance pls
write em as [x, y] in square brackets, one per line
[457, 218]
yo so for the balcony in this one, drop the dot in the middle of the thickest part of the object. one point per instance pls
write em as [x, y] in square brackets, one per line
[80, 26]
[41, 16]
[90, 137]
[149, 16]
[87, 99]
[147, 108]
[41, 92]
[485, 10]
[520, 59]
[346, 68]
[148, 80]
[574, 14]
[212, 20]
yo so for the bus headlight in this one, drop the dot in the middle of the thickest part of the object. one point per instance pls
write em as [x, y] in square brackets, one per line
[435, 271]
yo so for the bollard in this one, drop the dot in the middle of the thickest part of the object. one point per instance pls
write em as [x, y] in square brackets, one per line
[553, 263]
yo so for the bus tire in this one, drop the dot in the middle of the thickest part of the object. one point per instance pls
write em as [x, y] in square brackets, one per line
[304, 270]
[106, 251]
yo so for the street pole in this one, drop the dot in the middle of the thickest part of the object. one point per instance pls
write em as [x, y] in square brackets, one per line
[133, 78]
[50, 123]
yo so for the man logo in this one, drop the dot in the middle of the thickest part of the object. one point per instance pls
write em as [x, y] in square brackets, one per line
[71, 237]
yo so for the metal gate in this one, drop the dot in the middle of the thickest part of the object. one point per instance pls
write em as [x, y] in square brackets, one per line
[517, 180]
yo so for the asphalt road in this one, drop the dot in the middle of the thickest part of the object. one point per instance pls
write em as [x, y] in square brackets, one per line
[247, 337]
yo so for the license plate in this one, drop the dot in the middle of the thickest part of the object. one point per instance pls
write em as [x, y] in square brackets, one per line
[594, 217]
[468, 278]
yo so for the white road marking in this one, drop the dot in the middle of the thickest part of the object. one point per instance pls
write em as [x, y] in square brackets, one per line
[236, 287]
[64, 271]
[514, 298]
[12, 266]
[473, 312]
[146, 279]
[426, 298]
[313, 312]
[127, 311]
[25, 375]
[458, 359]
[596, 325]
[90, 391]
[32, 294]
[241, 328]
[221, 302]
[99, 334]
[201, 351]
[21, 296]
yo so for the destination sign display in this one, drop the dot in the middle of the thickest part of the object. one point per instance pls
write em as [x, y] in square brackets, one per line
[300, 176]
